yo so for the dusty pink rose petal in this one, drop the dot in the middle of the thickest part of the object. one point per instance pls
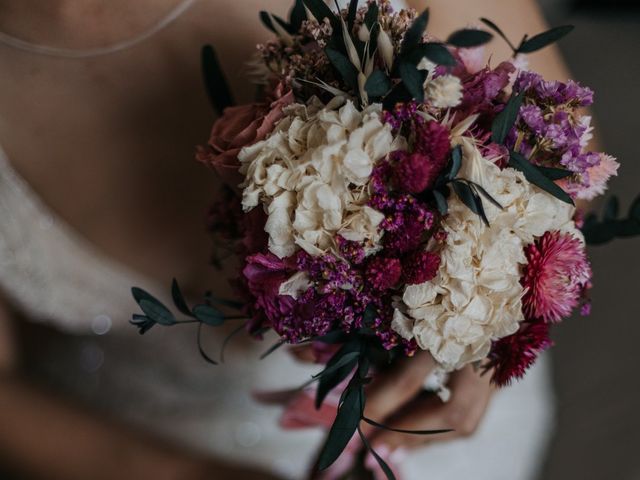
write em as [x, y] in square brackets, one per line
[238, 127]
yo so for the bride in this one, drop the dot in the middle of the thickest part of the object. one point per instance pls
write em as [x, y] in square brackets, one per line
[101, 106]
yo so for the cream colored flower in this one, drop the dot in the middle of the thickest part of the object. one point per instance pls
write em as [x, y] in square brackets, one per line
[444, 91]
[310, 175]
[476, 296]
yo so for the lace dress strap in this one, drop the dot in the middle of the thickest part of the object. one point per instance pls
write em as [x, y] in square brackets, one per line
[52, 274]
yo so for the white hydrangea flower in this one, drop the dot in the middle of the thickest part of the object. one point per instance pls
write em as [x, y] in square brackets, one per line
[311, 174]
[476, 296]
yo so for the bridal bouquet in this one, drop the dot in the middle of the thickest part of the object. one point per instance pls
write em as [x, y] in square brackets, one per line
[390, 192]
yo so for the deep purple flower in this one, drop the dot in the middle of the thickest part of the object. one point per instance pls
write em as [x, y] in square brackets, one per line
[383, 273]
[532, 116]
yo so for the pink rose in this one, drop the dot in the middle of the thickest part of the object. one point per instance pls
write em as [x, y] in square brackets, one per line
[238, 127]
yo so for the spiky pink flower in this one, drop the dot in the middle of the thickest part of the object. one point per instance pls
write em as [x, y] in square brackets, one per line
[414, 172]
[511, 356]
[432, 138]
[420, 267]
[383, 273]
[555, 276]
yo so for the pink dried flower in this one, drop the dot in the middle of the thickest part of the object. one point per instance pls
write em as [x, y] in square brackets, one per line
[420, 267]
[511, 356]
[414, 172]
[383, 273]
[432, 139]
[555, 276]
[598, 176]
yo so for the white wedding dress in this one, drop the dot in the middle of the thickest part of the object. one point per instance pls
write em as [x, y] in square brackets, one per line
[159, 381]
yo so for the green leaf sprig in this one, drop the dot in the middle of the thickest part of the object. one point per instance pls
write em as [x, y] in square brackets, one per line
[532, 44]
[154, 312]
[599, 231]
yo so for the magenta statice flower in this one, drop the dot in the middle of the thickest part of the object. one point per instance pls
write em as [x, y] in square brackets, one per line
[511, 356]
[383, 273]
[555, 276]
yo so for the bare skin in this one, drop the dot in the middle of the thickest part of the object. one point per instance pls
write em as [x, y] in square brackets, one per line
[108, 144]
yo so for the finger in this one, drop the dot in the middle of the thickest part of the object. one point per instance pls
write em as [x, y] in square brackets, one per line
[393, 388]
[303, 353]
[470, 395]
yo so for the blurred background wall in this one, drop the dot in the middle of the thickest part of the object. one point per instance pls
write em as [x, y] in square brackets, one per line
[597, 358]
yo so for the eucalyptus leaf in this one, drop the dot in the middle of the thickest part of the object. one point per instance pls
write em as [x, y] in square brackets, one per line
[543, 39]
[383, 465]
[208, 315]
[611, 208]
[505, 120]
[378, 84]
[413, 35]
[344, 66]
[351, 16]
[629, 227]
[178, 299]
[398, 93]
[413, 80]
[535, 176]
[297, 15]
[142, 322]
[555, 173]
[634, 209]
[329, 381]
[401, 430]
[157, 312]
[486, 195]
[470, 199]
[152, 307]
[468, 37]
[265, 18]
[497, 29]
[348, 359]
[436, 52]
[441, 202]
[344, 426]
[320, 10]
[371, 17]
[456, 162]
[215, 81]
[203, 354]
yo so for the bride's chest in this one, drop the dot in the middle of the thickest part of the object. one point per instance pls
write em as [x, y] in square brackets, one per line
[111, 152]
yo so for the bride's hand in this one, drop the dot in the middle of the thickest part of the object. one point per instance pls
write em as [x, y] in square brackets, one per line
[396, 398]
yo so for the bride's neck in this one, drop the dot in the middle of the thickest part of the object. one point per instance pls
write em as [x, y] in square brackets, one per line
[80, 23]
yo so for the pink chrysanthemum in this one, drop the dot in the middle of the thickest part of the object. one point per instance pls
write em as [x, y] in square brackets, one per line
[383, 273]
[555, 277]
[511, 356]
[420, 267]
